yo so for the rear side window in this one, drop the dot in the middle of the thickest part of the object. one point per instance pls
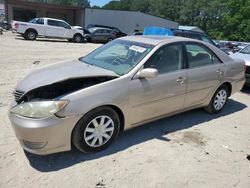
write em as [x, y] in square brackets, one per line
[198, 55]
[37, 21]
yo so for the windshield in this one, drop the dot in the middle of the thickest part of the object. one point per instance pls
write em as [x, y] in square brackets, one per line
[245, 50]
[119, 56]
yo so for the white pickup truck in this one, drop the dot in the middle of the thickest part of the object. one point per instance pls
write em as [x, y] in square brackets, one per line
[47, 28]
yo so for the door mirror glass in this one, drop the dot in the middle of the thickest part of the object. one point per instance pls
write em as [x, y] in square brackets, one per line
[147, 73]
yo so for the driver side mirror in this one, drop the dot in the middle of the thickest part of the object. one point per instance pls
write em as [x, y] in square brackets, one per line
[147, 73]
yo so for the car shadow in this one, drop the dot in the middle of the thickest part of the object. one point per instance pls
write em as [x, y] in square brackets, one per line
[155, 130]
[246, 90]
[45, 40]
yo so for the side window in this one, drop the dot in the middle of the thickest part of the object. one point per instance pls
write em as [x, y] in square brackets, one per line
[167, 59]
[53, 23]
[198, 55]
[97, 32]
[37, 21]
[64, 25]
[206, 39]
[193, 36]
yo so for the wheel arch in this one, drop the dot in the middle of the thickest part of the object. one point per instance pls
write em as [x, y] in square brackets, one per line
[31, 29]
[77, 34]
[229, 87]
[115, 108]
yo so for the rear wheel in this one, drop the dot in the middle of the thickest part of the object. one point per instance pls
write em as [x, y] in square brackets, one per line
[30, 35]
[218, 101]
[96, 130]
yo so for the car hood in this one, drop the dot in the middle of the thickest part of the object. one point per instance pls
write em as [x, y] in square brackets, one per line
[245, 57]
[60, 72]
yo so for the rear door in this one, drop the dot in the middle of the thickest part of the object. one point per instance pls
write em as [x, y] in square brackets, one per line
[153, 97]
[205, 73]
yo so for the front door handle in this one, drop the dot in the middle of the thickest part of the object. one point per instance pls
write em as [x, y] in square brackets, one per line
[180, 80]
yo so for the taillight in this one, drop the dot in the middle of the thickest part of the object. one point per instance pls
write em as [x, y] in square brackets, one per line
[16, 25]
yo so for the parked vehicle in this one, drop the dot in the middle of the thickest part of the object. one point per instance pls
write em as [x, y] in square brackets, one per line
[81, 28]
[5, 25]
[117, 31]
[127, 82]
[193, 35]
[227, 50]
[188, 34]
[244, 54]
[48, 28]
[99, 34]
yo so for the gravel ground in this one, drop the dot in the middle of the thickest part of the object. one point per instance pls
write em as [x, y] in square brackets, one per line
[192, 149]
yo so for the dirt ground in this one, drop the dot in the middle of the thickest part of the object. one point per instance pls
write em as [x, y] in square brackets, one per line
[193, 149]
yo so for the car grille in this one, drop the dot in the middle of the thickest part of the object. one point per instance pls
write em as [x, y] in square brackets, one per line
[247, 69]
[18, 95]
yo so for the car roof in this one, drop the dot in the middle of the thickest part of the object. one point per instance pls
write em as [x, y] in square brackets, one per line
[52, 19]
[156, 39]
[188, 31]
[95, 28]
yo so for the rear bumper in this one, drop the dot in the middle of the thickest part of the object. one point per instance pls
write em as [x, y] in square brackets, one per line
[43, 136]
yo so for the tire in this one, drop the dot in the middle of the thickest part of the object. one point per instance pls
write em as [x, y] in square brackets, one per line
[87, 39]
[88, 138]
[30, 35]
[77, 38]
[109, 40]
[219, 100]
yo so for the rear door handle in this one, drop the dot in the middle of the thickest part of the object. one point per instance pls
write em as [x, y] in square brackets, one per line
[180, 80]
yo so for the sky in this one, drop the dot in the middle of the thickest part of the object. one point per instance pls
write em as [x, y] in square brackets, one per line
[99, 2]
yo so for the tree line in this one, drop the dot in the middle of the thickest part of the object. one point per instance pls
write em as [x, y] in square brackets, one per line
[229, 20]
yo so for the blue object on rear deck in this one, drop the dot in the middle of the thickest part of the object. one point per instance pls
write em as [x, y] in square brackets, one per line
[157, 31]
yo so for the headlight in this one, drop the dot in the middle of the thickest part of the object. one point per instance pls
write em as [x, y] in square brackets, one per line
[39, 109]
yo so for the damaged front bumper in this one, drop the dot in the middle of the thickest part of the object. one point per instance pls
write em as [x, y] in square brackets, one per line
[44, 136]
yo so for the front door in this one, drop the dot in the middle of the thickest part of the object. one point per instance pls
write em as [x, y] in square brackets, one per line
[153, 97]
[55, 28]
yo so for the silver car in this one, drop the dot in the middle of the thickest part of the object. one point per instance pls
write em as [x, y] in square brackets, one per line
[99, 34]
[244, 54]
[125, 83]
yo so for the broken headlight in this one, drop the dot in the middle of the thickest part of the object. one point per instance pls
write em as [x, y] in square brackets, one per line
[39, 109]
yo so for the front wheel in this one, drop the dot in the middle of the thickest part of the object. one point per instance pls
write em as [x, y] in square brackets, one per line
[218, 101]
[96, 130]
[77, 38]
